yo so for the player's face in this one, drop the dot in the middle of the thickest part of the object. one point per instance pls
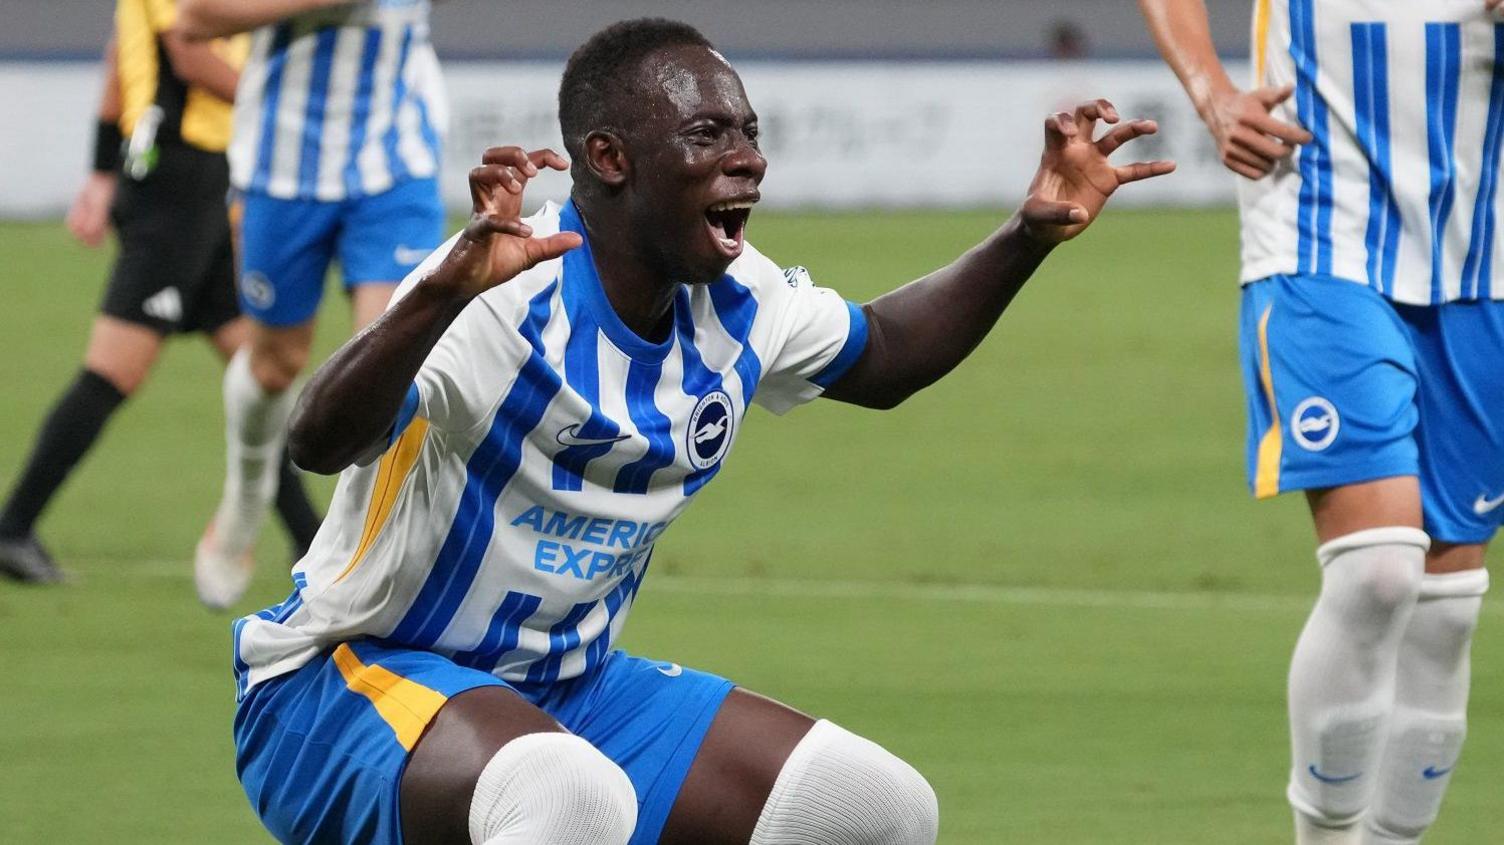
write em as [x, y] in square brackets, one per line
[696, 163]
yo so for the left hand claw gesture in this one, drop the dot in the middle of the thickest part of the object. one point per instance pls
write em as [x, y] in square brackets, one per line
[1074, 178]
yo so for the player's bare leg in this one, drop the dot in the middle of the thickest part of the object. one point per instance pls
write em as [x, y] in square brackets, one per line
[1342, 675]
[1429, 722]
[494, 770]
[258, 399]
[116, 362]
[368, 300]
[768, 774]
[122, 352]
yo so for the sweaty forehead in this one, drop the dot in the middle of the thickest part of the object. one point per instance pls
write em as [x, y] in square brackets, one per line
[684, 81]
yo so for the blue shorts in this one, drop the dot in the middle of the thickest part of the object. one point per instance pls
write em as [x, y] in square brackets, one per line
[321, 751]
[1344, 386]
[286, 246]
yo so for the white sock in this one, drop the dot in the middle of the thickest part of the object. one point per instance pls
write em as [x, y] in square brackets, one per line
[1342, 677]
[552, 789]
[255, 431]
[837, 788]
[1430, 716]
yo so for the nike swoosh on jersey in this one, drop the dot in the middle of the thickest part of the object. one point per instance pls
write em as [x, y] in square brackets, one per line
[567, 437]
[1432, 773]
[672, 670]
[1483, 504]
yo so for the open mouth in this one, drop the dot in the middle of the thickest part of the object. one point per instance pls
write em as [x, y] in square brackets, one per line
[728, 224]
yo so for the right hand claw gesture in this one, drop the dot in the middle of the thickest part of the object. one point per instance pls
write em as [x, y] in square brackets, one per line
[497, 245]
[1249, 140]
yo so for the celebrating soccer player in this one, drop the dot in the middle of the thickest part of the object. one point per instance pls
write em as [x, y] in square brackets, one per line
[166, 109]
[1372, 337]
[542, 399]
[335, 154]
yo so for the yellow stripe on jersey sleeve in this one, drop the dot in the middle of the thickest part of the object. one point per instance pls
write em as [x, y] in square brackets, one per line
[1266, 476]
[407, 706]
[396, 465]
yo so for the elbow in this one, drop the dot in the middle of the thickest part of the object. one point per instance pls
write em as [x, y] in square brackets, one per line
[306, 448]
[889, 400]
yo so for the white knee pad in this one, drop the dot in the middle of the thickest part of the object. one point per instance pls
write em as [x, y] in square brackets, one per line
[552, 789]
[840, 789]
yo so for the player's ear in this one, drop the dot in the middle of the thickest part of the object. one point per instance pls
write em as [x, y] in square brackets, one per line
[606, 156]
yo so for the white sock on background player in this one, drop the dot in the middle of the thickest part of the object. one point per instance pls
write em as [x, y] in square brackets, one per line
[255, 431]
[1430, 714]
[1342, 677]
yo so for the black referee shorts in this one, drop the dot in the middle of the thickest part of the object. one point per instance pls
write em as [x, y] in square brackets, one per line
[176, 268]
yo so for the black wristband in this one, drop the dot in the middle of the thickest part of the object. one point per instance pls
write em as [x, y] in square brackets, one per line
[107, 143]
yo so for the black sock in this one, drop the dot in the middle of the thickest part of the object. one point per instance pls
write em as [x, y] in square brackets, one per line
[293, 506]
[67, 433]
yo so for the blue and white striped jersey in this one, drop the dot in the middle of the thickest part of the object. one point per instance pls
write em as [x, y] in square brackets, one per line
[543, 450]
[1399, 189]
[340, 103]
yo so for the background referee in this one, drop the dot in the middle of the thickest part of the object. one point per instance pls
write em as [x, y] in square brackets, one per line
[161, 179]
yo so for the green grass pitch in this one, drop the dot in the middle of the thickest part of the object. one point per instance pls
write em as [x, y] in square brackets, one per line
[1041, 581]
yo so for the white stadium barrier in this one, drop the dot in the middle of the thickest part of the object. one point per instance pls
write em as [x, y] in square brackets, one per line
[838, 134]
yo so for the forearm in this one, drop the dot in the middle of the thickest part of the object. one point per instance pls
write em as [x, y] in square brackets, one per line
[196, 63]
[217, 18]
[1183, 33]
[921, 331]
[353, 399]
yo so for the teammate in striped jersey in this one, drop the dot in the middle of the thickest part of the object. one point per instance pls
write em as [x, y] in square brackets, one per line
[1372, 334]
[335, 155]
[545, 397]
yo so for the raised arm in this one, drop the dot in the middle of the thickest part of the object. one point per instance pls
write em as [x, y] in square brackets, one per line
[200, 19]
[921, 331]
[352, 401]
[1249, 140]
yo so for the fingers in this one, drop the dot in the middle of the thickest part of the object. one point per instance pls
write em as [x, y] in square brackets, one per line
[1038, 211]
[1287, 132]
[482, 226]
[1143, 170]
[1088, 113]
[1246, 164]
[540, 250]
[1273, 95]
[1059, 129]
[1121, 135]
[547, 158]
[1261, 145]
[508, 169]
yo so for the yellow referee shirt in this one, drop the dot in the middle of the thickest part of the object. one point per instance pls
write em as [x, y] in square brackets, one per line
[146, 77]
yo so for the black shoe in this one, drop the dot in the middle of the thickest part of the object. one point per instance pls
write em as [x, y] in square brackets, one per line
[26, 561]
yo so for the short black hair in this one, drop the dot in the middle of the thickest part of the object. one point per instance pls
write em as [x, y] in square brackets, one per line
[600, 75]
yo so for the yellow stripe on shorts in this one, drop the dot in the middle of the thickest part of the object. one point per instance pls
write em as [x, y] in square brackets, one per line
[407, 706]
[1266, 477]
[395, 466]
[1260, 40]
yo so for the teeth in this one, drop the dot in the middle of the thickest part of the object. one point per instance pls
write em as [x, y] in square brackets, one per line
[733, 205]
[728, 243]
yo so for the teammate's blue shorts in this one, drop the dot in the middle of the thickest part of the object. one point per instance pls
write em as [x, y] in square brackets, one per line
[321, 751]
[1345, 386]
[286, 246]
